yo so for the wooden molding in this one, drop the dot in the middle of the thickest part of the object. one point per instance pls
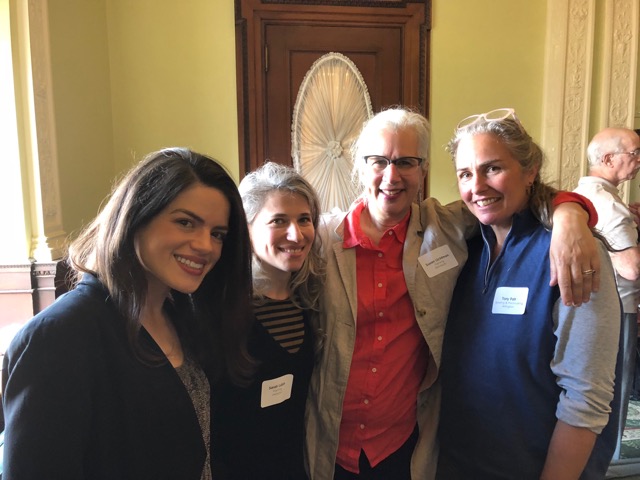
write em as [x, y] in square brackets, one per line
[252, 15]
[26, 289]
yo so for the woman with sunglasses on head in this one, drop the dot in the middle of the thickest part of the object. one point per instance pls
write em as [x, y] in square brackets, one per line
[112, 381]
[527, 381]
[259, 428]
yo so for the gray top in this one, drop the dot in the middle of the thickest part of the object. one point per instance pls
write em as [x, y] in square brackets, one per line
[197, 385]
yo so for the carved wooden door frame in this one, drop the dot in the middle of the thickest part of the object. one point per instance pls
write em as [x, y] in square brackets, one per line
[251, 16]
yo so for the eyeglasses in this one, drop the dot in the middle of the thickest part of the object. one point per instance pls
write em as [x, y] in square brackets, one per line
[492, 116]
[379, 162]
[634, 153]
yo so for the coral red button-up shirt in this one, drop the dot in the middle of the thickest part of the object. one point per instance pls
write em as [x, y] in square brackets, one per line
[390, 355]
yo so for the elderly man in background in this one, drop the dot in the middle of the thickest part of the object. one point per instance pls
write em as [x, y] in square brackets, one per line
[614, 158]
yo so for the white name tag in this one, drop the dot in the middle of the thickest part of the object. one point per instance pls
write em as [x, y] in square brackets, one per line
[276, 391]
[510, 300]
[438, 260]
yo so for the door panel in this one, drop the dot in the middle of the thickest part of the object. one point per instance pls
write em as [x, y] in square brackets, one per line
[293, 50]
[277, 41]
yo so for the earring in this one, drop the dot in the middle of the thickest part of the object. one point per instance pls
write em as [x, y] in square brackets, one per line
[530, 189]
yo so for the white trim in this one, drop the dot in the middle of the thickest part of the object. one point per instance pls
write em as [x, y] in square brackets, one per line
[48, 235]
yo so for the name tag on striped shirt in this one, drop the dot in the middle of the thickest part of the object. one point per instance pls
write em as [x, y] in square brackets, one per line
[276, 391]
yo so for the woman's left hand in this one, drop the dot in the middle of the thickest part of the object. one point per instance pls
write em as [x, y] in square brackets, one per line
[575, 264]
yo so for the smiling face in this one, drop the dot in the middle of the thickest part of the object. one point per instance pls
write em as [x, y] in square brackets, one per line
[389, 194]
[282, 233]
[491, 182]
[184, 241]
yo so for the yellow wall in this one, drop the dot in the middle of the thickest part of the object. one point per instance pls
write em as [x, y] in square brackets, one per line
[485, 54]
[135, 76]
[173, 78]
[130, 77]
[82, 102]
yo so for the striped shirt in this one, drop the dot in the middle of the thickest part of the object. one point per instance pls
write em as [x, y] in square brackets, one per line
[284, 322]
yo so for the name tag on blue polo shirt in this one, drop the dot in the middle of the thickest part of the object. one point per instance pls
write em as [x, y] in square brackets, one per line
[510, 300]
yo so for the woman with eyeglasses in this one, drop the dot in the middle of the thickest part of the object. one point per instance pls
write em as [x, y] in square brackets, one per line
[112, 381]
[527, 381]
[392, 264]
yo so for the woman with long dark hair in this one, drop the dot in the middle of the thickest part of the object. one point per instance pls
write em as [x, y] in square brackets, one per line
[113, 379]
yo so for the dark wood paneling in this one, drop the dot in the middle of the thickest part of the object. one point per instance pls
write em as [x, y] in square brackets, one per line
[24, 291]
[387, 39]
[294, 49]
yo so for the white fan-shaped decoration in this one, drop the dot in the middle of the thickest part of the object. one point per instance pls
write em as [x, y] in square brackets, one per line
[332, 104]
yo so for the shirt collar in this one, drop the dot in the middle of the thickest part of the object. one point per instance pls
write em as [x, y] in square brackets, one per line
[353, 234]
[522, 222]
[606, 184]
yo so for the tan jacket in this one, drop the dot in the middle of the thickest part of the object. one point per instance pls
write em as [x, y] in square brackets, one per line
[431, 226]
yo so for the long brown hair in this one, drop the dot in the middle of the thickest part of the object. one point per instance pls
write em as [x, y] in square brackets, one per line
[214, 320]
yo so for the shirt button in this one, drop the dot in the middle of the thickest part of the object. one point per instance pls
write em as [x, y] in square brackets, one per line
[361, 426]
[380, 285]
[379, 255]
[381, 314]
[374, 369]
[379, 337]
[366, 401]
[390, 233]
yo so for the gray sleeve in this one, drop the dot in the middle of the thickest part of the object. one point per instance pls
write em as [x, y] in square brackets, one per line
[585, 354]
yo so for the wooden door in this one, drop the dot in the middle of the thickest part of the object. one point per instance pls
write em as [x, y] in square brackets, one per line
[278, 41]
[292, 51]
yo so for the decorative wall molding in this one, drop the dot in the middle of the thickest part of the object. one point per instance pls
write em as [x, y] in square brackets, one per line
[16, 296]
[44, 279]
[567, 89]
[620, 68]
[568, 110]
[620, 63]
[26, 289]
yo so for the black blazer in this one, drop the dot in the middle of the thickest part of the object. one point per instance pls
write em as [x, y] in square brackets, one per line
[79, 405]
